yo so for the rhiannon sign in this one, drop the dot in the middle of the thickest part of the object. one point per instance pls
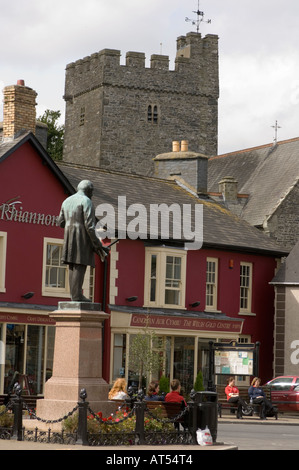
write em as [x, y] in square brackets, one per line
[13, 211]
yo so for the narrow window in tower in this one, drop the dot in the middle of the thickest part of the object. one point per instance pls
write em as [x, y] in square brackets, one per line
[152, 114]
[155, 115]
[82, 116]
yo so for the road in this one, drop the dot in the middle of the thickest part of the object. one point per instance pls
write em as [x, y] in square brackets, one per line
[259, 436]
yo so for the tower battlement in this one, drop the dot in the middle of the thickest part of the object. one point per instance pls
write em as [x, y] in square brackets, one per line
[109, 104]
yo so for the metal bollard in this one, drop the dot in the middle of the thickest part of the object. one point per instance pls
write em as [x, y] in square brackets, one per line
[82, 420]
[17, 434]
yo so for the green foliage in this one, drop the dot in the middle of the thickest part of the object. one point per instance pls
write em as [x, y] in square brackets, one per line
[164, 384]
[55, 133]
[146, 353]
[6, 419]
[122, 421]
[198, 385]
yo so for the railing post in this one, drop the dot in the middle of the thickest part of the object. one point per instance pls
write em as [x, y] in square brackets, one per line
[82, 420]
[17, 434]
[192, 417]
[139, 412]
[129, 400]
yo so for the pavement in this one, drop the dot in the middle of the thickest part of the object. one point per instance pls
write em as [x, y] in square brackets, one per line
[13, 445]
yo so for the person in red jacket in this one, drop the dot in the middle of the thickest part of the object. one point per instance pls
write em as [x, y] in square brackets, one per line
[174, 396]
[233, 397]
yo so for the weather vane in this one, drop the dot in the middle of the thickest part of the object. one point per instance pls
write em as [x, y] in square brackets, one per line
[200, 18]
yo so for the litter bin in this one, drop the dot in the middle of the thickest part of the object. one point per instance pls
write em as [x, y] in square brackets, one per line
[205, 412]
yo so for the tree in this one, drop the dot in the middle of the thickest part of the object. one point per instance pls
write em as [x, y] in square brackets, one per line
[55, 133]
[198, 385]
[146, 353]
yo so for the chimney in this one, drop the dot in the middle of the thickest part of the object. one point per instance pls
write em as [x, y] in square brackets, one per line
[182, 164]
[228, 187]
[19, 112]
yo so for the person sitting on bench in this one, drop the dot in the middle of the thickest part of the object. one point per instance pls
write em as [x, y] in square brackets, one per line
[174, 396]
[258, 397]
[233, 397]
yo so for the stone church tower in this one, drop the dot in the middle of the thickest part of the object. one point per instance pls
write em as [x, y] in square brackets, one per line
[119, 117]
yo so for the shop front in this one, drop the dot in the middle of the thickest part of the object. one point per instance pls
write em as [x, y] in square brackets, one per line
[27, 345]
[184, 338]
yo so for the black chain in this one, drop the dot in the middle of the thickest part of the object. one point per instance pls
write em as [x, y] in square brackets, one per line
[49, 421]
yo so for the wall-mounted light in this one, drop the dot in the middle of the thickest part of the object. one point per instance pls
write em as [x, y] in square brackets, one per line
[132, 299]
[195, 304]
[231, 264]
[28, 295]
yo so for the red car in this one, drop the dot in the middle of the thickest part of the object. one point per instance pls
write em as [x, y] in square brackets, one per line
[285, 392]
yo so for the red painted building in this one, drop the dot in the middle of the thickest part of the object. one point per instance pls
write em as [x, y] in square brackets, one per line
[220, 292]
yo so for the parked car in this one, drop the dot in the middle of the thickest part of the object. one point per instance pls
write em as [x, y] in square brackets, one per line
[285, 392]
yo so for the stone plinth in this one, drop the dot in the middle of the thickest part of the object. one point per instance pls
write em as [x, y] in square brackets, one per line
[77, 361]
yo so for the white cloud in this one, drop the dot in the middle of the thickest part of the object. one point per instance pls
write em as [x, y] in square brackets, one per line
[257, 44]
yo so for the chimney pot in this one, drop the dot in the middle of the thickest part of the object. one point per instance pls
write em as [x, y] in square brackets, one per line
[175, 146]
[21, 82]
[184, 146]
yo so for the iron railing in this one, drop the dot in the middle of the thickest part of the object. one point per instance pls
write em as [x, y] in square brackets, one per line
[170, 431]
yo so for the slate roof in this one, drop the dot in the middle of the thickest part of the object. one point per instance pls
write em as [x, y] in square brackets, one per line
[221, 228]
[265, 173]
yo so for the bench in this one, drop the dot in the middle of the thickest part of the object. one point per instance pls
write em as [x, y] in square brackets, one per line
[243, 392]
[169, 410]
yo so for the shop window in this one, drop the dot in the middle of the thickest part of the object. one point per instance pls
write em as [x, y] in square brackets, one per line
[245, 287]
[55, 274]
[28, 357]
[165, 278]
[35, 358]
[119, 356]
[183, 365]
[211, 283]
[3, 243]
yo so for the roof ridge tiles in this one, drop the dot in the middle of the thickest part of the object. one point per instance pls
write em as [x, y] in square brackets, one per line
[258, 147]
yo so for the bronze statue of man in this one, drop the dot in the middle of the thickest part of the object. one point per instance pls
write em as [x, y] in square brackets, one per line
[77, 217]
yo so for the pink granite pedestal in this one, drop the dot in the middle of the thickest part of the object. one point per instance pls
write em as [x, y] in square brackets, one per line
[77, 361]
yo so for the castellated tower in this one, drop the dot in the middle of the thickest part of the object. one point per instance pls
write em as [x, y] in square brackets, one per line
[119, 117]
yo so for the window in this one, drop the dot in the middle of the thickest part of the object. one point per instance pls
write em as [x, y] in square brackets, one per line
[3, 243]
[152, 114]
[245, 287]
[82, 116]
[211, 283]
[55, 278]
[282, 383]
[165, 273]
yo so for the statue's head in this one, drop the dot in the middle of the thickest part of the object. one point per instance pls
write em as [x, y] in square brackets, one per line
[86, 187]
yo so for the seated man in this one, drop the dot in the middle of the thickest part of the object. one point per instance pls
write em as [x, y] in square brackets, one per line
[174, 396]
[233, 396]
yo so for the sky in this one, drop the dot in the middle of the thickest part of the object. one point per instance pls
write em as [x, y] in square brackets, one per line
[258, 53]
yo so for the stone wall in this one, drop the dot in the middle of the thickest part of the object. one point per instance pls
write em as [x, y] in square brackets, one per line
[283, 225]
[121, 116]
